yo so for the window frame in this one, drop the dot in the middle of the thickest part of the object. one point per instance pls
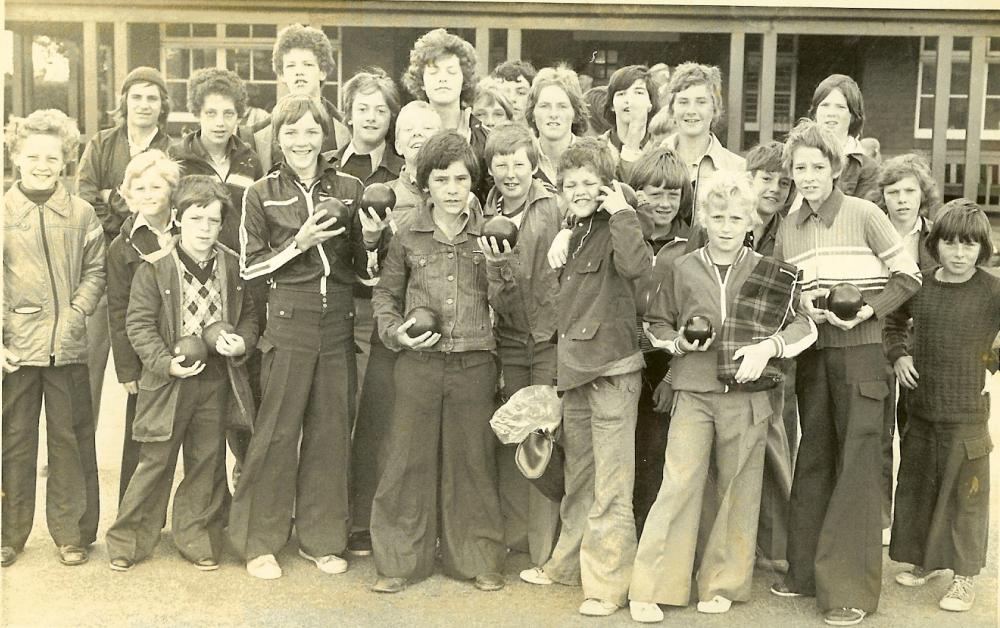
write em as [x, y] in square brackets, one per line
[992, 63]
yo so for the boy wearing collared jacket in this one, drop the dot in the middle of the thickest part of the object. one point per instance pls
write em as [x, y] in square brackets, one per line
[179, 295]
[599, 364]
[440, 456]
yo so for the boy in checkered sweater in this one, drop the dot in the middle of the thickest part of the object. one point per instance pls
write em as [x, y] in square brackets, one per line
[176, 296]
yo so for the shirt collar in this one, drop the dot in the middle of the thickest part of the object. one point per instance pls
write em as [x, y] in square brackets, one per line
[827, 211]
[140, 221]
[852, 146]
[715, 151]
[376, 155]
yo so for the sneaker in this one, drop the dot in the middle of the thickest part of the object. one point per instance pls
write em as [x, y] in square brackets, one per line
[329, 564]
[960, 596]
[360, 543]
[717, 604]
[844, 616]
[783, 590]
[535, 575]
[72, 555]
[265, 567]
[593, 607]
[7, 556]
[918, 576]
[645, 612]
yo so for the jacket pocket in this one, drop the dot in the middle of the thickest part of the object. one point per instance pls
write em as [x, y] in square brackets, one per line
[870, 412]
[583, 330]
[152, 381]
[978, 447]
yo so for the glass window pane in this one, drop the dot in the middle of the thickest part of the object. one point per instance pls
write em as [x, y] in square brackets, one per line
[265, 30]
[963, 43]
[926, 112]
[960, 78]
[202, 58]
[239, 61]
[994, 44]
[178, 95]
[237, 30]
[929, 77]
[958, 113]
[930, 43]
[178, 30]
[203, 30]
[178, 62]
[600, 57]
[991, 121]
[262, 68]
[993, 79]
[612, 56]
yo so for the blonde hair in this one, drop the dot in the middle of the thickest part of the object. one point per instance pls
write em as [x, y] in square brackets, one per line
[727, 187]
[44, 122]
[155, 160]
[412, 108]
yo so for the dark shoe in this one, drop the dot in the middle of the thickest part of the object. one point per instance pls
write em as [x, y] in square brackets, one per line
[360, 543]
[490, 581]
[72, 555]
[783, 590]
[122, 564]
[844, 616]
[206, 564]
[7, 556]
[389, 585]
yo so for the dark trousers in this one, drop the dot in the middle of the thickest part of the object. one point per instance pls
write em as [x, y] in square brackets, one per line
[308, 378]
[72, 493]
[201, 403]
[440, 477]
[650, 439]
[130, 449]
[781, 445]
[835, 540]
[371, 430]
[530, 519]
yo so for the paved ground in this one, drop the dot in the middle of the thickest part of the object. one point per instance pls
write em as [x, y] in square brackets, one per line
[167, 591]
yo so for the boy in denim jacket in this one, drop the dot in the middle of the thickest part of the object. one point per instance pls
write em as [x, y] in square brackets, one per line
[599, 364]
[440, 448]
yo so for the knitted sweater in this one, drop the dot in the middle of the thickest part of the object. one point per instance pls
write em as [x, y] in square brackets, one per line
[954, 326]
[849, 240]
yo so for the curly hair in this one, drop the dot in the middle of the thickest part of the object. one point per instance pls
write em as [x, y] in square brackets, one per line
[432, 47]
[156, 160]
[225, 83]
[44, 122]
[514, 70]
[593, 153]
[566, 79]
[725, 187]
[307, 38]
[909, 165]
[621, 80]
[852, 94]
[690, 74]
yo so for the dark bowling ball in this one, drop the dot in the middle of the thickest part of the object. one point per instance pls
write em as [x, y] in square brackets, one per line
[211, 333]
[845, 300]
[501, 228]
[380, 197]
[698, 329]
[335, 208]
[192, 348]
[426, 320]
[629, 195]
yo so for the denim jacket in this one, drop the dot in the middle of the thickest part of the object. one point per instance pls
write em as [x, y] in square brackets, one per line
[422, 268]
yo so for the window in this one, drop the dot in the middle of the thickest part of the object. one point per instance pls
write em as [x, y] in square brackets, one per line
[603, 63]
[784, 85]
[243, 48]
[958, 106]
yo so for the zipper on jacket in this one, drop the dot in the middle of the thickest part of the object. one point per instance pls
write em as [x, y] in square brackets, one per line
[322, 253]
[52, 281]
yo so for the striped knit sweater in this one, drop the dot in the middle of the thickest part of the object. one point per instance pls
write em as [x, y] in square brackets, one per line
[849, 240]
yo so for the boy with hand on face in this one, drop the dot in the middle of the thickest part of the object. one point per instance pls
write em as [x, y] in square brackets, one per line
[523, 290]
[182, 403]
[440, 454]
[834, 541]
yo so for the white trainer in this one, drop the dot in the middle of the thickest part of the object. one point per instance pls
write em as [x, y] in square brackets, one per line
[264, 567]
[645, 612]
[593, 607]
[329, 564]
[918, 576]
[717, 604]
[535, 575]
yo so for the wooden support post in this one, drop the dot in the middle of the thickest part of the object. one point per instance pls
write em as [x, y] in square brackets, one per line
[88, 55]
[19, 45]
[483, 49]
[768, 76]
[974, 128]
[513, 44]
[737, 54]
[121, 55]
[942, 98]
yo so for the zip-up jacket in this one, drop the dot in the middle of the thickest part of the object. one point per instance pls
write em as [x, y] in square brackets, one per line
[596, 304]
[154, 323]
[53, 267]
[102, 167]
[693, 286]
[244, 169]
[125, 254]
[274, 209]
[523, 287]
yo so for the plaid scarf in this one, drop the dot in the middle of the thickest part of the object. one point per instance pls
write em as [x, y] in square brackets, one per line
[764, 306]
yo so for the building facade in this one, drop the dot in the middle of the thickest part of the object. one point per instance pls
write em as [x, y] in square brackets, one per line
[71, 54]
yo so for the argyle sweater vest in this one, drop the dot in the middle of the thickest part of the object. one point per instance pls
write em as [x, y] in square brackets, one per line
[201, 303]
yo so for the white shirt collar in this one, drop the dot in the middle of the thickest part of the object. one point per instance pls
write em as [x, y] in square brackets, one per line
[140, 221]
[376, 155]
